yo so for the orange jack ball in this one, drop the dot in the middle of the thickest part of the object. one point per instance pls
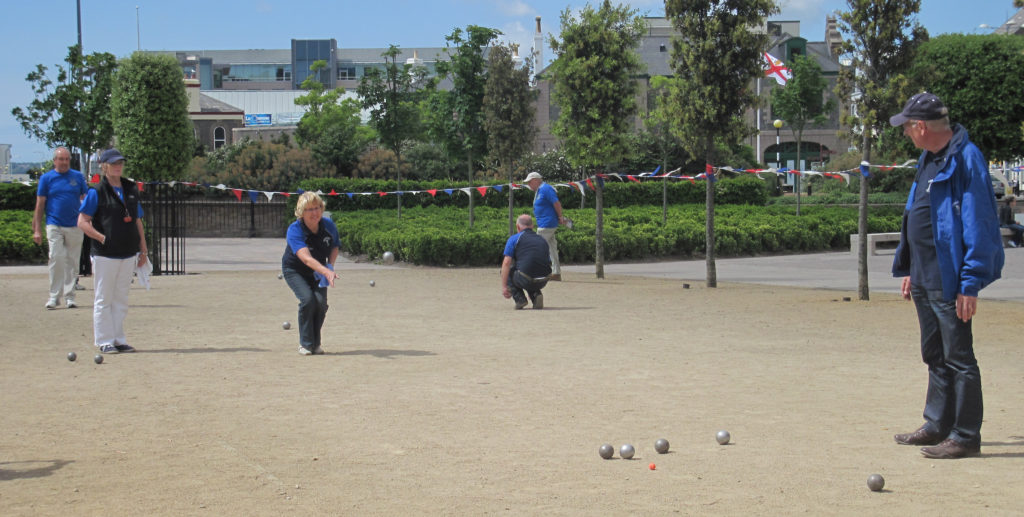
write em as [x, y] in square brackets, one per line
[651, 466]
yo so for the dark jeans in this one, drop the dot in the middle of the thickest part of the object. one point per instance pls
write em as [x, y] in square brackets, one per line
[312, 306]
[1018, 233]
[519, 282]
[953, 407]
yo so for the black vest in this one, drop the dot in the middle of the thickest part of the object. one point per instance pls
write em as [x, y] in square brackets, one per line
[116, 219]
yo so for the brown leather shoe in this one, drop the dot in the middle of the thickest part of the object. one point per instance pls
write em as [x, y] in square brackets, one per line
[555, 278]
[919, 437]
[950, 449]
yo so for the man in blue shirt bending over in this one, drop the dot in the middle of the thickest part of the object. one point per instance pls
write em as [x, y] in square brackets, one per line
[526, 265]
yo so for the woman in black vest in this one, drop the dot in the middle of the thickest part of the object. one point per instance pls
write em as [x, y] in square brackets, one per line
[308, 267]
[112, 217]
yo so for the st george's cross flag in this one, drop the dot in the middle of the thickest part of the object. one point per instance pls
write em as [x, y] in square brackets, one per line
[775, 69]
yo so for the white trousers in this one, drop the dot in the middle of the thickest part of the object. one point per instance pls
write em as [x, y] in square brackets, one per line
[549, 236]
[65, 248]
[112, 278]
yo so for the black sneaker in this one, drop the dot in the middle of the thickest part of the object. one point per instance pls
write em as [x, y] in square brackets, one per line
[124, 349]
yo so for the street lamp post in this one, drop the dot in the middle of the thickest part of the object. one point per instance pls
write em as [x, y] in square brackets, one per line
[778, 159]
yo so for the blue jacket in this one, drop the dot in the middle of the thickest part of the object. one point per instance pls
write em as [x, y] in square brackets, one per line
[964, 221]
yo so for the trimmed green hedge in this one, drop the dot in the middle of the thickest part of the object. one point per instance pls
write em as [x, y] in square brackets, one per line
[439, 236]
[16, 196]
[16, 238]
[742, 190]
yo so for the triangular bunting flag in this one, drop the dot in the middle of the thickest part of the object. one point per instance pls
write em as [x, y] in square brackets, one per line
[254, 195]
[482, 191]
[270, 196]
[237, 193]
[433, 192]
[498, 187]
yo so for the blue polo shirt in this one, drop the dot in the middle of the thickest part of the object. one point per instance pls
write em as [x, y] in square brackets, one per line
[63, 193]
[544, 206]
[91, 201]
[530, 251]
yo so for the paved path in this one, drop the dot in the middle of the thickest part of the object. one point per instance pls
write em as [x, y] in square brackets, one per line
[833, 270]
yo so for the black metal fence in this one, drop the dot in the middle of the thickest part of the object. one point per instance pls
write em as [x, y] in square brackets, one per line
[165, 225]
[170, 217]
[233, 218]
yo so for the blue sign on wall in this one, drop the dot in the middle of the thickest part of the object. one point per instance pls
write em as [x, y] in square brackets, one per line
[257, 119]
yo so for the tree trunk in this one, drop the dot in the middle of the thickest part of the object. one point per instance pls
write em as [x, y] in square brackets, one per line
[862, 228]
[398, 174]
[709, 220]
[797, 168]
[664, 190]
[469, 174]
[599, 230]
[511, 201]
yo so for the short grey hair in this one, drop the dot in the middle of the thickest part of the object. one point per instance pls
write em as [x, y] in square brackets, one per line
[525, 221]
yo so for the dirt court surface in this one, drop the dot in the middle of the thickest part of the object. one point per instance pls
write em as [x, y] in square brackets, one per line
[436, 398]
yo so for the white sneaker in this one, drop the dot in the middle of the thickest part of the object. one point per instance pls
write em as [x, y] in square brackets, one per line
[305, 351]
[72, 304]
[52, 304]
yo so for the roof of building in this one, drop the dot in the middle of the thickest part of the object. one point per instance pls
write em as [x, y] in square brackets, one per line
[284, 56]
[208, 104]
[1015, 25]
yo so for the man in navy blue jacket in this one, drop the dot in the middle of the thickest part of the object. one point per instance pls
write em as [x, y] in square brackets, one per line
[950, 248]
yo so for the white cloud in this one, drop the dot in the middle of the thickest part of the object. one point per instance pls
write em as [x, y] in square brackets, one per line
[515, 8]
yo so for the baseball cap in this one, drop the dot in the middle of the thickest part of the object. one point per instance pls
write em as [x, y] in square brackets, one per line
[111, 155]
[923, 106]
[532, 176]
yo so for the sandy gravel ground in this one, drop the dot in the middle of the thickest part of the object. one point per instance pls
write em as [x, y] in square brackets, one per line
[436, 398]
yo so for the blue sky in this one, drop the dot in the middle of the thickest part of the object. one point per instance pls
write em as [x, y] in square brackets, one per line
[40, 31]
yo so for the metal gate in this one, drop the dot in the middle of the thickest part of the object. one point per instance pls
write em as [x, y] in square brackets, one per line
[164, 219]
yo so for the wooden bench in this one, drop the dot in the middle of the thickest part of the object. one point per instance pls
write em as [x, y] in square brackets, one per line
[1006, 233]
[891, 240]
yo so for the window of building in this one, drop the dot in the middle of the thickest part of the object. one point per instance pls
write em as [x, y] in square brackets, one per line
[346, 72]
[219, 137]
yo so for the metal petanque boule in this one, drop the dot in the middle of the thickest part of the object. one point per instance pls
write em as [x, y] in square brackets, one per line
[98, 359]
[72, 356]
[280, 276]
[286, 325]
[876, 482]
[388, 257]
[372, 283]
[627, 451]
[606, 451]
[723, 437]
[661, 446]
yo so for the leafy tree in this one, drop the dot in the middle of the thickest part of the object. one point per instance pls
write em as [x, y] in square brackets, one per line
[715, 60]
[594, 77]
[150, 112]
[883, 38]
[802, 101]
[658, 124]
[257, 165]
[379, 164]
[333, 131]
[74, 111]
[428, 161]
[978, 78]
[508, 115]
[391, 94]
[460, 119]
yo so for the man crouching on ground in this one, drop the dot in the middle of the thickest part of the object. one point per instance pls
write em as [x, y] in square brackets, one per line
[526, 266]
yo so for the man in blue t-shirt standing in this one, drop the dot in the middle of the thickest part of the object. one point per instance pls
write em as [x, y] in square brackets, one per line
[526, 265]
[58, 197]
[548, 211]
